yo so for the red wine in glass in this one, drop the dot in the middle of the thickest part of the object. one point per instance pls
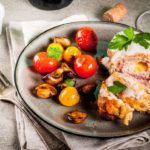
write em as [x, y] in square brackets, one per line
[50, 4]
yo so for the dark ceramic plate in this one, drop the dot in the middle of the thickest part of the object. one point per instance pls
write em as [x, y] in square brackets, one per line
[50, 110]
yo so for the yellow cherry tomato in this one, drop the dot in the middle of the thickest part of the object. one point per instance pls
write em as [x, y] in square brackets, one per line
[55, 50]
[69, 96]
[71, 53]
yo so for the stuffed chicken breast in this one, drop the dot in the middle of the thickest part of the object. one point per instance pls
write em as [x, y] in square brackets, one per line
[127, 89]
[136, 94]
[134, 61]
[110, 106]
[120, 95]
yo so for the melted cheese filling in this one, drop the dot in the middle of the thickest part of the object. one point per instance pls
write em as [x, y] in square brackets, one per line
[140, 67]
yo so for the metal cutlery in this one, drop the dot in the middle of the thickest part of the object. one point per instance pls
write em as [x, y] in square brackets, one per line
[9, 94]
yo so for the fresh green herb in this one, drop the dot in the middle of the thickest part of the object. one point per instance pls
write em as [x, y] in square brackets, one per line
[143, 39]
[54, 52]
[118, 42]
[121, 42]
[70, 82]
[96, 92]
[129, 32]
[117, 87]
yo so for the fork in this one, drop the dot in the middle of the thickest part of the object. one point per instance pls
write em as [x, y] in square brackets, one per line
[9, 94]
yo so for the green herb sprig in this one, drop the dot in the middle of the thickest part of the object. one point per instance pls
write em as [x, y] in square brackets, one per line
[121, 42]
[70, 82]
[143, 39]
[117, 87]
[54, 52]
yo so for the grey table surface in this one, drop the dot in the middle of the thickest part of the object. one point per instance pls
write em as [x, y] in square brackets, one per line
[21, 10]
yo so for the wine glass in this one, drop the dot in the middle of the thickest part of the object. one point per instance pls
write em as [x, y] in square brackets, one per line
[143, 21]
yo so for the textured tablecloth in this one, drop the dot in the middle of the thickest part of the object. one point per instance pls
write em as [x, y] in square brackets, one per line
[19, 34]
[20, 10]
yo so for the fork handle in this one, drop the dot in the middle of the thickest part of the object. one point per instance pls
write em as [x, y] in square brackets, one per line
[8, 93]
[33, 122]
[42, 132]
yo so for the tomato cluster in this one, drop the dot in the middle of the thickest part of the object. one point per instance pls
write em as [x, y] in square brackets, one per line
[84, 65]
[56, 63]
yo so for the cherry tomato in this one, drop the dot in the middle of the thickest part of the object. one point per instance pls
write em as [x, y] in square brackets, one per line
[44, 64]
[86, 39]
[85, 66]
[71, 53]
[69, 96]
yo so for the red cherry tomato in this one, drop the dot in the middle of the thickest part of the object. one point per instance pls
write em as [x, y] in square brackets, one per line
[86, 39]
[44, 64]
[85, 66]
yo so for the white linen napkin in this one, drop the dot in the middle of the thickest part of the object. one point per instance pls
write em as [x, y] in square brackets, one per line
[18, 35]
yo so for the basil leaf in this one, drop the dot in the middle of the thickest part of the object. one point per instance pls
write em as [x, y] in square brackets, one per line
[129, 32]
[122, 41]
[117, 87]
[54, 52]
[146, 35]
[119, 84]
[127, 44]
[70, 82]
[118, 42]
[143, 39]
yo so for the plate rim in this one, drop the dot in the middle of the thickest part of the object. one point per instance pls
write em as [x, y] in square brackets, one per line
[121, 134]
